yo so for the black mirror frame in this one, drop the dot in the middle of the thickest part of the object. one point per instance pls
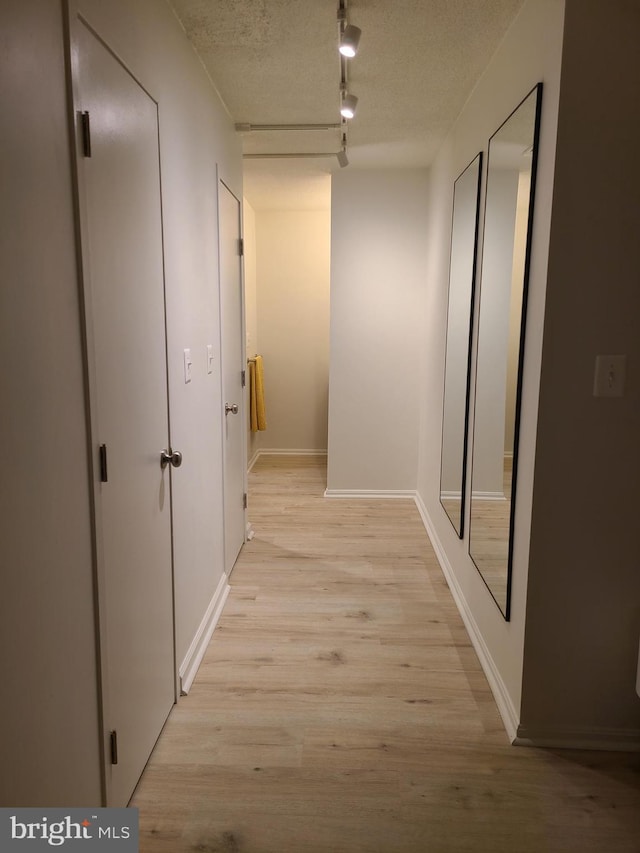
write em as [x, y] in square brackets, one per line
[460, 530]
[506, 612]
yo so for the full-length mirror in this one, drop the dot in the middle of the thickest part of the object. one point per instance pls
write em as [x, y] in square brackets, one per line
[464, 242]
[503, 296]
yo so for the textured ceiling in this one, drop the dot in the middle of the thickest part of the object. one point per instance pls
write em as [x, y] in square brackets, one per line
[276, 62]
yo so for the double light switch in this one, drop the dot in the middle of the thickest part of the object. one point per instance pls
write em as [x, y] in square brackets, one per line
[188, 362]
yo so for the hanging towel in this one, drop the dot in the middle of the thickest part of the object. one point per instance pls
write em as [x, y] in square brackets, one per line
[260, 409]
[256, 395]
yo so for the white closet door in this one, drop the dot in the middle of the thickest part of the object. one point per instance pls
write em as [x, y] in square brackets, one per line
[122, 239]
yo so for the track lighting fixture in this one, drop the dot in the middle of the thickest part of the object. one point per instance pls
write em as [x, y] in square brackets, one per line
[348, 106]
[343, 160]
[349, 39]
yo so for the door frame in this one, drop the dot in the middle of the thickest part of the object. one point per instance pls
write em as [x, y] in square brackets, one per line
[73, 19]
[243, 350]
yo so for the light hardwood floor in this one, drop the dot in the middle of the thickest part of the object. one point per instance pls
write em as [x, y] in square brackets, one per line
[340, 707]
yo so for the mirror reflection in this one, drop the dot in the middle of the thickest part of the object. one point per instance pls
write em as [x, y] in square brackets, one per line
[464, 234]
[505, 254]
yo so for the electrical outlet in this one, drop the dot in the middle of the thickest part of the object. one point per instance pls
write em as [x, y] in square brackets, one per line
[609, 377]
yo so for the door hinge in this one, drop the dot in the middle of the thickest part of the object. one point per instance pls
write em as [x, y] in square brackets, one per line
[104, 477]
[240, 246]
[86, 133]
[113, 738]
[245, 502]
[243, 376]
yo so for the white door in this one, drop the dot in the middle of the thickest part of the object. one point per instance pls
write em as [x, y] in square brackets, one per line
[124, 286]
[233, 365]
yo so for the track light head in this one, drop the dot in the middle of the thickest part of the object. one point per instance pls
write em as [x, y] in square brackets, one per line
[349, 41]
[348, 106]
[342, 158]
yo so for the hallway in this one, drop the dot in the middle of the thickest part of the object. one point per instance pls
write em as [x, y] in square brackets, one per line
[341, 707]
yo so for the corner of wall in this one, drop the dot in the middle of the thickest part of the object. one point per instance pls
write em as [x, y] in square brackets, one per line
[583, 620]
[377, 266]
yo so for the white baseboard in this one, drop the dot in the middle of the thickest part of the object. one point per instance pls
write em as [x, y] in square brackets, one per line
[253, 460]
[451, 496]
[198, 647]
[626, 740]
[503, 700]
[618, 740]
[370, 494]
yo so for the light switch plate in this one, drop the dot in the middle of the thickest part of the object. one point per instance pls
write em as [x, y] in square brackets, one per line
[187, 366]
[609, 377]
[209, 358]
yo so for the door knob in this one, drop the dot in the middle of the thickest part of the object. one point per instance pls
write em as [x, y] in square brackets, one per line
[174, 458]
[231, 407]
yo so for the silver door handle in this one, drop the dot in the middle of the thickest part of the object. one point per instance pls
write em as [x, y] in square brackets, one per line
[167, 458]
[231, 407]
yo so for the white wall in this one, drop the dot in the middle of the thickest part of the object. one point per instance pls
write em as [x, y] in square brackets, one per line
[463, 238]
[51, 722]
[515, 307]
[378, 237]
[251, 311]
[493, 333]
[49, 737]
[583, 608]
[292, 264]
[196, 133]
[529, 53]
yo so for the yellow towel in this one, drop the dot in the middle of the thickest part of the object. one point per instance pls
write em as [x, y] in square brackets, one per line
[253, 409]
[256, 395]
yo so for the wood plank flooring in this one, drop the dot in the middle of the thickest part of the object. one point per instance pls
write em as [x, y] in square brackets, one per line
[340, 707]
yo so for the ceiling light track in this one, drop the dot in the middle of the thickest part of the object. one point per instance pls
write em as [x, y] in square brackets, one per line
[348, 40]
[293, 155]
[244, 127]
